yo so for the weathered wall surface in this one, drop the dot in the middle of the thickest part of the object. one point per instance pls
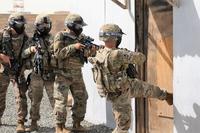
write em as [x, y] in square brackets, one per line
[57, 21]
[186, 67]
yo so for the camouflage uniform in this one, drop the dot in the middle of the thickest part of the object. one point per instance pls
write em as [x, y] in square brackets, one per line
[38, 82]
[110, 65]
[4, 82]
[69, 76]
[16, 39]
[43, 41]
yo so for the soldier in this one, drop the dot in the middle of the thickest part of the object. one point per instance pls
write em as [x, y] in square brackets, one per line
[13, 42]
[110, 74]
[3, 84]
[67, 50]
[4, 80]
[40, 52]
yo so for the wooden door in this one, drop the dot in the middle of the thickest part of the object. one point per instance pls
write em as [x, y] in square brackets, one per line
[160, 64]
[156, 41]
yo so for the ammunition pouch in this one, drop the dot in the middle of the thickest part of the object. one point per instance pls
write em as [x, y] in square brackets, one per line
[108, 83]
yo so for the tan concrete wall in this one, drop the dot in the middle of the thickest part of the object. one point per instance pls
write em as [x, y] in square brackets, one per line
[57, 21]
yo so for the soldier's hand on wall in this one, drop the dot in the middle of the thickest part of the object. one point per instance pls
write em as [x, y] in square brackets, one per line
[79, 46]
[5, 59]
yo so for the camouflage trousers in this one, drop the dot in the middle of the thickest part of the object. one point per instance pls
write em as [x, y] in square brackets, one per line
[20, 89]
[20, 97]
[4, 82]
[62, 86]
[36, 93]
[121, 103]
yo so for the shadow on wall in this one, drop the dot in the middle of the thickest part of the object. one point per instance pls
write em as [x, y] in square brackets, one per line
[187, 124]
[186, 29]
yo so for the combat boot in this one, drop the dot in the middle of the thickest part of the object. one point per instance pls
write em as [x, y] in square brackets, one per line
[33, 127]
[59, 128]
[169, 98]
[77, 127]
[20, 127]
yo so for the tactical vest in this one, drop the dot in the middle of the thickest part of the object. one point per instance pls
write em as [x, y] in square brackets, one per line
[107, 81]
[46, 63]
[74, 61]
[6, 40]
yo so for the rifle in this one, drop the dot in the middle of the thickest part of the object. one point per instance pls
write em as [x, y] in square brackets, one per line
[88, 42]
[38, 58]
[16, 65]
[28, 79]
[85, 40]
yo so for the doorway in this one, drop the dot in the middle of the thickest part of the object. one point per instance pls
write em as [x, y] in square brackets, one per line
[154, 37]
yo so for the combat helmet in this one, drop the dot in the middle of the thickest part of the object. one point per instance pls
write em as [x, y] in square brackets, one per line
[111, 31]
[43, 24]
[75, 23]
[17, 22]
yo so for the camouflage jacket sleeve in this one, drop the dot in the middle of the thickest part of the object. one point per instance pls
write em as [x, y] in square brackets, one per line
[128, 57]
[0, 59]
[1, 36]
[27, 49]
[62, 51]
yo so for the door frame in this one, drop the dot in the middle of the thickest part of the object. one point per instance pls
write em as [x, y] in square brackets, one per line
[141, 43]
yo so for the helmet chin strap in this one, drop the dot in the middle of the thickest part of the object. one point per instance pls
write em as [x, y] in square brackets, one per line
[119, 39]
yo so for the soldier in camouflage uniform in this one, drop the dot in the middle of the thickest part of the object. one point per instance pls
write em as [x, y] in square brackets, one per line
[67, 50]
[4, 80]
[13, 41]
[40, 52]
[110, 74]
